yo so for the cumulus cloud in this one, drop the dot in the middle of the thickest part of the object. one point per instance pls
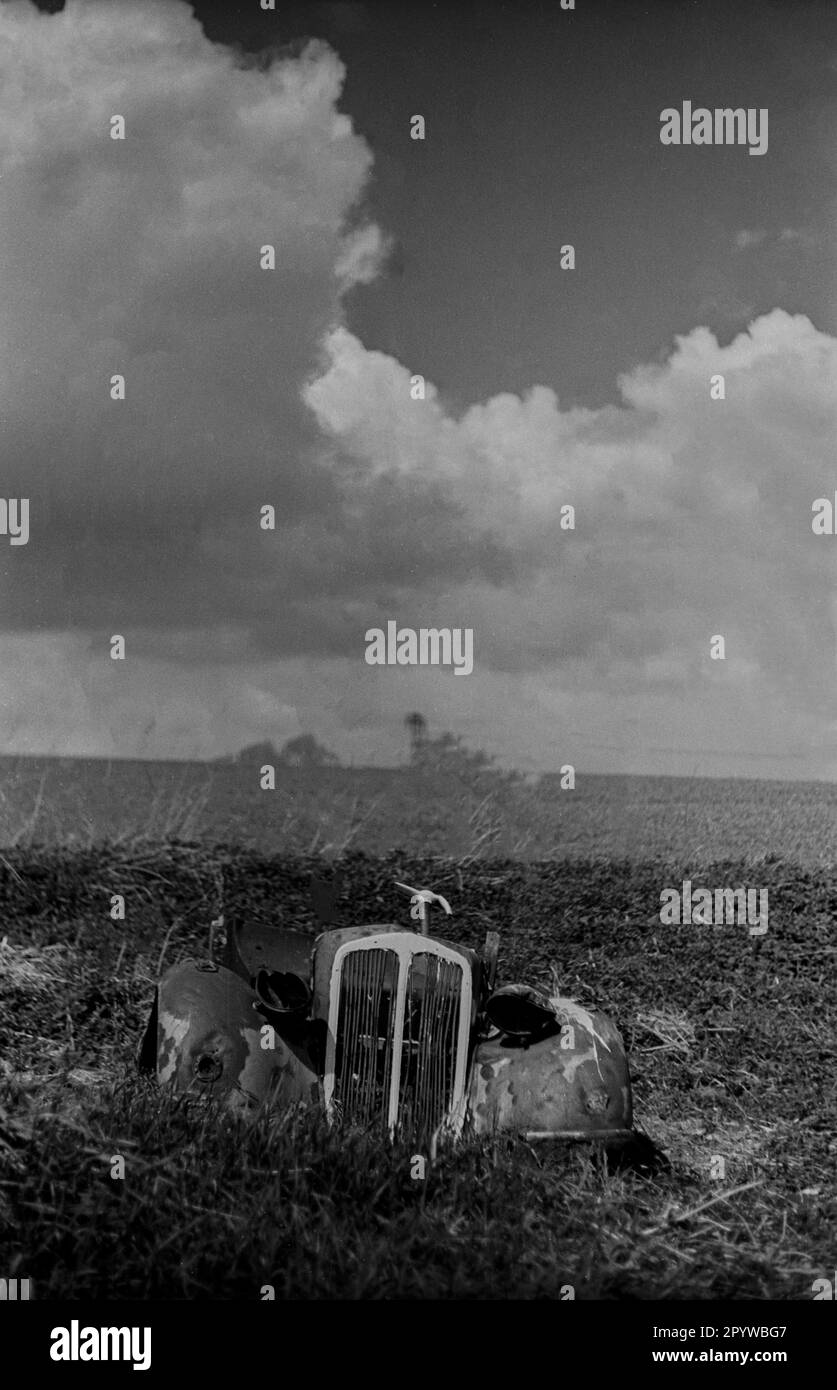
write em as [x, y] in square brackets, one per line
[141, 257]
[692, 515]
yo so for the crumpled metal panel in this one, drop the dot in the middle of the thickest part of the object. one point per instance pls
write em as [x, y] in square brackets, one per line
[209, 1043]
[573, 1085]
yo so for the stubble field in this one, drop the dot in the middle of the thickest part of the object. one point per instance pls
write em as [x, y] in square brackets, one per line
[731, 1041]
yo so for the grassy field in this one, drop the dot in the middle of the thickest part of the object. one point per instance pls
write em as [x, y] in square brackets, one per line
[731, 1046]
[452, 810]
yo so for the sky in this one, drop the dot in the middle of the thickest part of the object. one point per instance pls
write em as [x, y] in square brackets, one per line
[545, 387]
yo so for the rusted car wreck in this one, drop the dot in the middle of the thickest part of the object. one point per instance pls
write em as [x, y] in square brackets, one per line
[387, 1025]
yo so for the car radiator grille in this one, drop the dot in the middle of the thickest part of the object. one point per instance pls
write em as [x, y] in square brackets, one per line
[399, 1023]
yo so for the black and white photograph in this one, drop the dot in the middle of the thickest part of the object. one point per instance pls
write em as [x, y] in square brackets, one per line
[418, 665]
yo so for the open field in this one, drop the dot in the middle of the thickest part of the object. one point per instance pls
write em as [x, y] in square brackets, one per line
[453, 811]
[731, 1038]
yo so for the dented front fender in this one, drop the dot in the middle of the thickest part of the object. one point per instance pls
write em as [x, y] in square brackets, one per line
[210, 1043]
[572, 1085]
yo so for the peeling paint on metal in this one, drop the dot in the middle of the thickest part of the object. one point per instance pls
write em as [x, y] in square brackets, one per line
[567, 1010]
[173, 1031]
[574, 1061]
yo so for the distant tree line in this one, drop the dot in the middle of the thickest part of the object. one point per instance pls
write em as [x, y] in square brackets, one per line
[303, 751]
[444, 753]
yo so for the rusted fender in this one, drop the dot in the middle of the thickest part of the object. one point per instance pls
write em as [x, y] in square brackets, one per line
[209, 1043]
[572, 1085]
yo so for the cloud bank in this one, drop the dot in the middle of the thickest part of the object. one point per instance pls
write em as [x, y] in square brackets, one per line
[245, 387]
